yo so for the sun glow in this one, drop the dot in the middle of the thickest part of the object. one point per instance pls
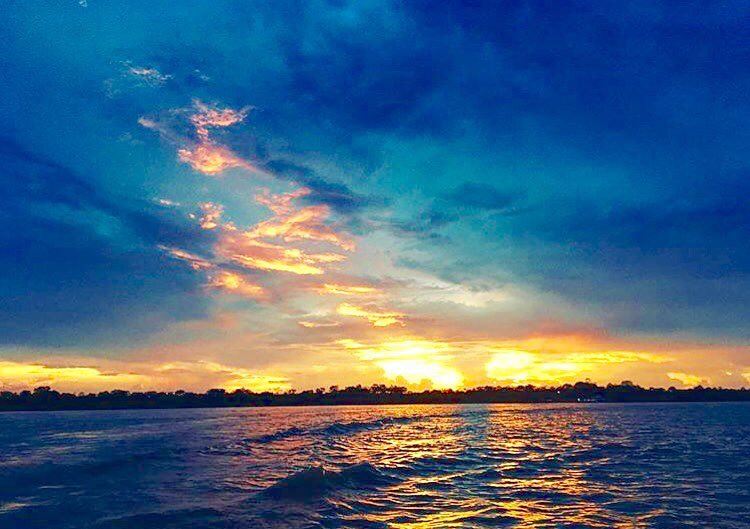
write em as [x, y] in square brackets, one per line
[20, 375]
[416, 363]
[556, 363]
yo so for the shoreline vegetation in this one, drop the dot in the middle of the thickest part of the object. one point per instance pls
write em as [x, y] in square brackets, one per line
[46, 399]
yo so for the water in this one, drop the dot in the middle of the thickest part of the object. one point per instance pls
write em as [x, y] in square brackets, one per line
[403, 467]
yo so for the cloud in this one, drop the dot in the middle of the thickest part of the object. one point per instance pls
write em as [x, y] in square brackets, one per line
[377, 317]
[81, 267]
[198, 149]
[16, 376]
[686, 379]
[266, 246]
[149, 76]
[211, 215]
[236, 284]
[252, 253]
[207, 117]
[211, 159]
[290, 224]
[347, 290]
[196, 262]
[318, 324]
[336, 195]
[226, 377]
[189, 375]
[534, 363]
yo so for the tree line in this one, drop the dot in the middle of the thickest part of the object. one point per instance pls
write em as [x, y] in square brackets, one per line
[46, 398]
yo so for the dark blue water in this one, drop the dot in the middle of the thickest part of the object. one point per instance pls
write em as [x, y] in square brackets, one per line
[404, 467]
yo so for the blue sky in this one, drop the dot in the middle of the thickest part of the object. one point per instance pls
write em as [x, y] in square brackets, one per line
[559, 182]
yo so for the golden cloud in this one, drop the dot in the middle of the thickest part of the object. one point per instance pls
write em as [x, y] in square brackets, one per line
[18, 375]
[195, 375]
[237, 284]
[211, 159]
[290, 224]
[211, 215]
[201, 152]
[208, 116]
[528, 366]
[377, 317]
[230, 378]
[346, 290]
[686, 379]
[253, 248]
[252, 253]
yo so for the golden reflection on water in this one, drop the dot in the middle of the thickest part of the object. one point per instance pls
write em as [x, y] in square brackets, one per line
[484, 467]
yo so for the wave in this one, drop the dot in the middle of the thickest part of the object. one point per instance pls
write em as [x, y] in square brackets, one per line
[182, 518]
[335, 429]
[275, 436]
[316, 481]
[345, 428]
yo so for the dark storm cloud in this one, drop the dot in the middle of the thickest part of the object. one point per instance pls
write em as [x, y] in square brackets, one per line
[79, 268]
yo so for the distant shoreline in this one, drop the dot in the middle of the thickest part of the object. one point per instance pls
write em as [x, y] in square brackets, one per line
[47, 399]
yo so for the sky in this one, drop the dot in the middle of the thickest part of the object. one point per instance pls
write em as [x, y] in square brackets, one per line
[292, 195]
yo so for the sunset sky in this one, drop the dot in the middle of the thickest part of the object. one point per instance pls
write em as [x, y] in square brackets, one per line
[277, 195]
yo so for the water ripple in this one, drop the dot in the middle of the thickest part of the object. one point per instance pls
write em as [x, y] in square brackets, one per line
[402, 467]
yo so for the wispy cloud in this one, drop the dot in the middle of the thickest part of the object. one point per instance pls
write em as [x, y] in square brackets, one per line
[199, 149]
[234, 283]
[347, 290]
[196, 262]
[149, 76]
[211, 215]
[290, 224]
[318, 324]
[376, 316]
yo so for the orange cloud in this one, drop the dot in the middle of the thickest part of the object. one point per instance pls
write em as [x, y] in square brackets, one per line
[346, 290]
[211, 159]
[686, 379]
[207, 116]
[211, 215]
[252, 253]
[527, 365]
[92, 375]
[318, 324]
[252, 248]
[290, 224]
[226, 377]
[18, 375]
[195, 262]
[378, 318]
[202, 153]
[237, 284]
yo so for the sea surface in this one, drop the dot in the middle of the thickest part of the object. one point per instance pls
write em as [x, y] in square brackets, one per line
[404, 467]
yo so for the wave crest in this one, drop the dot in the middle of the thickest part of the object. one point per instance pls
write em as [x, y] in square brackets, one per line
[316, 481]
